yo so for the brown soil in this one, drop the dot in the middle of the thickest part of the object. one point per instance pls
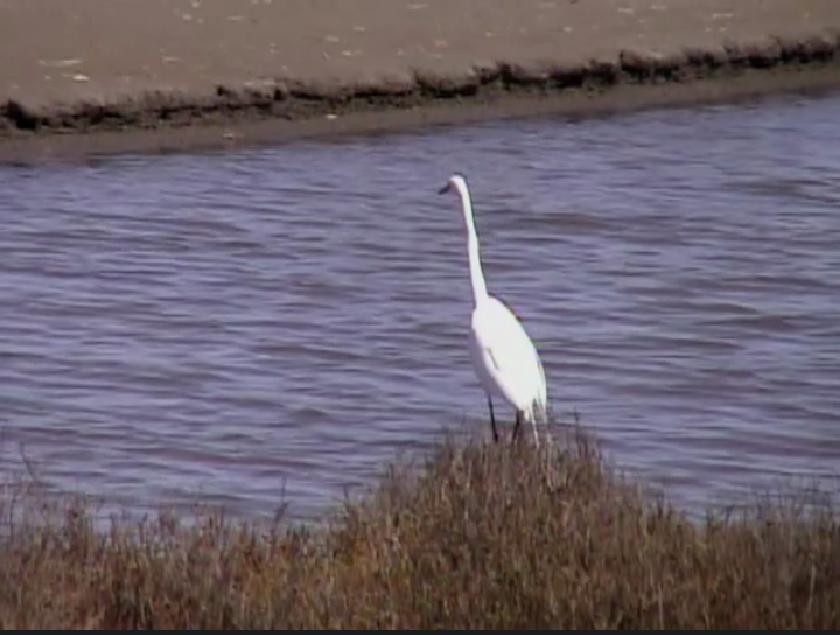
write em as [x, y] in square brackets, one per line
[267, 69]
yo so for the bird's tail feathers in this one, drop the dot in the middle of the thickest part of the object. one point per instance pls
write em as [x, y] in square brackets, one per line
[537, 413]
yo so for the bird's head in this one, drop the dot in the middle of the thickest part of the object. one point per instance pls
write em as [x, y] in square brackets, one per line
[455, 183]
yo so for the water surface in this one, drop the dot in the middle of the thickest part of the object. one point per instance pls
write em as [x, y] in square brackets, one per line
[274, 325]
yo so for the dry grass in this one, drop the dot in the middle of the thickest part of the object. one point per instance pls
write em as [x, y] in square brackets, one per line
[484, 536]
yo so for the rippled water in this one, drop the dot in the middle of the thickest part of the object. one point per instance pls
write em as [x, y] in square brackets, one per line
[276, 324]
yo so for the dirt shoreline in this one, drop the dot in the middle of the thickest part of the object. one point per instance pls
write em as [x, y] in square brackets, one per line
[156, 76]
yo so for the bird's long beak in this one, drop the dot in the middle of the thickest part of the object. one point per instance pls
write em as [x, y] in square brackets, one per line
[444, 189]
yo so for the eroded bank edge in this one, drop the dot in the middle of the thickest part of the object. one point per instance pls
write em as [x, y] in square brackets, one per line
[299, 99]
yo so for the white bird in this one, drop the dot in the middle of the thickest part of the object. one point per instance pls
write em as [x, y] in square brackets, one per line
[505, 359]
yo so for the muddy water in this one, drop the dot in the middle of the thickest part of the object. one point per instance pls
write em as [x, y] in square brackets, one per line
[274, 325]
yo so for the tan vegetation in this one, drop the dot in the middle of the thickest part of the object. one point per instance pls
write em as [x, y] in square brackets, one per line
[481, 536]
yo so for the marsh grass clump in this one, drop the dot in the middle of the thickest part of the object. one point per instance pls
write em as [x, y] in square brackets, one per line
[481, 536]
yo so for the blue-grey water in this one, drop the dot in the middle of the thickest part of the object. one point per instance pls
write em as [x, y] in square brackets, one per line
[273, 326]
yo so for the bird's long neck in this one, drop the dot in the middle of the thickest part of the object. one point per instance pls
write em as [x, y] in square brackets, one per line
[476, 274]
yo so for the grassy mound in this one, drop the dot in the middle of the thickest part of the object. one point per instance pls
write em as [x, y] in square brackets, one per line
[483, 536]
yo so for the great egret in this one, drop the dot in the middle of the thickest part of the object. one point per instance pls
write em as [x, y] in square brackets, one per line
[505, 359]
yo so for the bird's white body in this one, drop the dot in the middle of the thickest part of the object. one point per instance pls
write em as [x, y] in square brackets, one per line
[505, 360]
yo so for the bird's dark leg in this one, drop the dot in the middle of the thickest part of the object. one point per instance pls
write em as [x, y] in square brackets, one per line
[516, 426]
[492, 419]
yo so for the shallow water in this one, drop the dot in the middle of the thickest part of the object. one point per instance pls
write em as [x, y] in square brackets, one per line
[274, 325]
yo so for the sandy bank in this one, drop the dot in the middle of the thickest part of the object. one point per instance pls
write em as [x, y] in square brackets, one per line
[206, 73]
